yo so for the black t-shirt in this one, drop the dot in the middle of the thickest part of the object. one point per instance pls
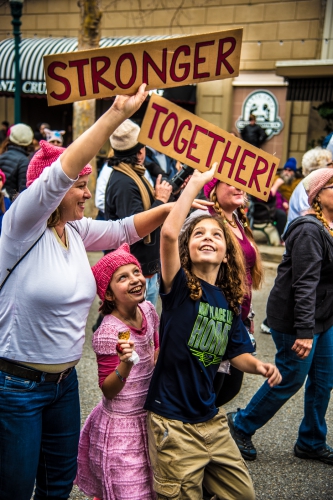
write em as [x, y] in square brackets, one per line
[195, 336]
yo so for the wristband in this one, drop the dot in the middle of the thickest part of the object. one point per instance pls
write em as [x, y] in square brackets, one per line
[122, 379]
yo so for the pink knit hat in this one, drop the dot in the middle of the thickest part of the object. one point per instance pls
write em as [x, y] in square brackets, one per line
[315, 181]
[106, 267]
[45, 156]
[208, 188]
[3, 177]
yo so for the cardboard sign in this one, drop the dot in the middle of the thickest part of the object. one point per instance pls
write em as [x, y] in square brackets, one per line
[97, 73]
[197, 143]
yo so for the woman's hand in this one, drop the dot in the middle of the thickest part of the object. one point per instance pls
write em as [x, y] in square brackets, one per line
[302, 347]
[125, 350]
[127, 105]
[202, 204]
[270, 372]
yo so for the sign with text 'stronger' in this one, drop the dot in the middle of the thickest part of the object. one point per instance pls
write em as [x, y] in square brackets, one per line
[105, 72]
[178, 133]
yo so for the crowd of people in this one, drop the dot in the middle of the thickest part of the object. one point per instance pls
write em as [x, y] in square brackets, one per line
[160, 428]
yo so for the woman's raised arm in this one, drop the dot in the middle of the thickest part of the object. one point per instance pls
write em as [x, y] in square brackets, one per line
[85, 147]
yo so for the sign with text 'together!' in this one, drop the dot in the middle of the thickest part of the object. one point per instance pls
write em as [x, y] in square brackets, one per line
[98, 73]
[178, 133]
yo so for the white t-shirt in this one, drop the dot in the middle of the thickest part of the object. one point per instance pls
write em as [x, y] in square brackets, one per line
[45, 302]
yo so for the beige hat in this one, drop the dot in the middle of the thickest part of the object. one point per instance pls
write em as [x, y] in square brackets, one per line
[21, 134]
[124, 140]
[315, 181]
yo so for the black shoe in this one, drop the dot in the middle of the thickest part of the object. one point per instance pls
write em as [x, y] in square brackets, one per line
[324, 455]
[243, 441]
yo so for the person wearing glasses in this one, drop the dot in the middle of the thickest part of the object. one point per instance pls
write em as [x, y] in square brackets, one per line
[300, 315]
[311, 161]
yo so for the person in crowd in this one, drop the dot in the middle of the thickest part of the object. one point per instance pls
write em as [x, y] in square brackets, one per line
[41, 128]
[14, 158]
[3, 131]
[312, 160]
[44, 305]
[54, 137]
[230, 203]
[253, 133]
[201, 289]
[288, 179]
[128, 192]
[300, 315]
[113, 459]
[4, 200]
[168, 167]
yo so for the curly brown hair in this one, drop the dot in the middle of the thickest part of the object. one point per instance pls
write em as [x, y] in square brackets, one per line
[316, 205]
[257, 272]
[231, 277]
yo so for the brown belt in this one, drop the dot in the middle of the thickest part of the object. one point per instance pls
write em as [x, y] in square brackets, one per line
[32, 374]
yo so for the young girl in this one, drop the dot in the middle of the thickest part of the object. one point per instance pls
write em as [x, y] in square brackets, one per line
[113, 462]
[201, 290]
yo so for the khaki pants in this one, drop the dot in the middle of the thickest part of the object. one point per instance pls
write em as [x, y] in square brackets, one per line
[185, 456]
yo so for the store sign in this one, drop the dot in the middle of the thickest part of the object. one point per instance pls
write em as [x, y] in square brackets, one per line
[177, 133]
[264, 106]
[38, 88]
[105, 72]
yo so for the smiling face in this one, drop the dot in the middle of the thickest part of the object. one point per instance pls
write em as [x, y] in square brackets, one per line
[207, 243]
[229, 197]
[72, 205]
[127, 286]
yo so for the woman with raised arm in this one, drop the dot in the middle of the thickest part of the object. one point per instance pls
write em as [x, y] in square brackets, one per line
[44, 306]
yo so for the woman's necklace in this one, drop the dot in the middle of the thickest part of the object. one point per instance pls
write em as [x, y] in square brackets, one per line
[232, 222]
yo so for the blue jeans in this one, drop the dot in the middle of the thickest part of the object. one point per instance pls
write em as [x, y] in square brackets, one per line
[152, 288]
[317, 367]
[39, 434]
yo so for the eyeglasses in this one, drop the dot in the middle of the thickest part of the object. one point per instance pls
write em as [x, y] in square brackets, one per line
[327, 187]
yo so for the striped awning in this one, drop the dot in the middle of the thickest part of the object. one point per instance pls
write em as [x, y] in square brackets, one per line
[32, 51]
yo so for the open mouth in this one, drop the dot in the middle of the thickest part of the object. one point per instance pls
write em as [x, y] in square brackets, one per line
[137, 290]
[207, 248]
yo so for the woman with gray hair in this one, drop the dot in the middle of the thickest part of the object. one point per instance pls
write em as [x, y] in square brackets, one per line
[300, 314]
[312, 160]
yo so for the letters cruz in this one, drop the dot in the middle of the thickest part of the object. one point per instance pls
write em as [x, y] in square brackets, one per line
[175, 71]
[181, 145]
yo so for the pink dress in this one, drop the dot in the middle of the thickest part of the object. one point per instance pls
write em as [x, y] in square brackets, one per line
[113, 459]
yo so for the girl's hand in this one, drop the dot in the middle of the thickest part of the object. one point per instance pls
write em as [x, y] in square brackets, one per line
[199, 179]
[128, 104]
[269, 371]
[125, 350]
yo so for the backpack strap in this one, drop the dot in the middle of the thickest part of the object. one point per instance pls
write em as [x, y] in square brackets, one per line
[20, 259]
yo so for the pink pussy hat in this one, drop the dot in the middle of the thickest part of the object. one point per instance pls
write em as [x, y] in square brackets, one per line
[208, 188]
[315, 181]
[45, 156]
[3, 177]
[108, 265]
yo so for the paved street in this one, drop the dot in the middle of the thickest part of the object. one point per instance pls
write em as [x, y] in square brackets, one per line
[277, 474]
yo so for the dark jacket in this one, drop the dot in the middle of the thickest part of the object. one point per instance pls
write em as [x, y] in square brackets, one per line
[301, 301]
[122, 199]
[14, 162]
[254, 134]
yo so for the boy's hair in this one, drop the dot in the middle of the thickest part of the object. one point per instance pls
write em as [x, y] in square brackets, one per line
[231, 277]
